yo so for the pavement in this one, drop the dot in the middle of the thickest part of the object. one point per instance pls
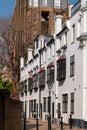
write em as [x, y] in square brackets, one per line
[31, 125]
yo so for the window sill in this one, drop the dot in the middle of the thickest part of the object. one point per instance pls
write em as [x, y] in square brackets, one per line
[64, 46]
[72, 75]
[72, 42]
[50, 58]
[59, 50]
[72, 113]
[65, 112]
[61, 79]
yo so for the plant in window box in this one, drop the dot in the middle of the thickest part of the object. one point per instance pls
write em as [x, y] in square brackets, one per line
[5, 87]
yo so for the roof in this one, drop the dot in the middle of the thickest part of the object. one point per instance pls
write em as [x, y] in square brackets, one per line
[42, 69]
[50, 64]
[62, 57]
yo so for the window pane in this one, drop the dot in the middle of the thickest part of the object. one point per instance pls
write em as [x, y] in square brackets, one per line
[65, 103]
[61, 69]
[42, 78]
[35, 105]
[50, 75]
[72, 103]
[72, 65]
[73, 32]
[44, 104]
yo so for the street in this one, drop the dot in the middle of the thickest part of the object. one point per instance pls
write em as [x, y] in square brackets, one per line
[31, 125]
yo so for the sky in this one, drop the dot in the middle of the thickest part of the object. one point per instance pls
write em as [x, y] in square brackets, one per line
[73, 1]
[7, 7]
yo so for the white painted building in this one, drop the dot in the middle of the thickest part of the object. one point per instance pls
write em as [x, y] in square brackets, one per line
[59, 63]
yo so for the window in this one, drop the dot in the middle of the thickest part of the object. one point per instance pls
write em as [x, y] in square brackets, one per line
[41, 58]
[31, 106]
[50, 74]
[35, 2]
[35, 81]
[35, 105]
[72, 65]
[44, 2]
[57, 3]
[65, 38]
[42, 78]
[49, 105]
[72, 103]
[25, 87]
[61, 69]
[44, 56]
[79, 27]
[30, 84]
[65, 103]
[21, 89]
[44, 104]
[53, 49]
[42, 43]
[73, 33]
[50, 51]
[52, 109]
[30, 2]
[37, 45]
[35, 17]
[59, 110]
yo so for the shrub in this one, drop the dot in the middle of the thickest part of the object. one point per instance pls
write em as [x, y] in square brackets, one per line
[5, 87]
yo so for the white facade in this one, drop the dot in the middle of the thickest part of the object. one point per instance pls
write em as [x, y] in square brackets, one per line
[66, 53]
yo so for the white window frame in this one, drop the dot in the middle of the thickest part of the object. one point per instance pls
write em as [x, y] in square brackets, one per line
[35, 3]
[30, 2]
[65, 103]
[73, 33]
[79, 28]
[44, 2]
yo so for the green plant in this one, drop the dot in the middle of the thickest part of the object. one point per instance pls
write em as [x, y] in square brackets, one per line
[5, 87]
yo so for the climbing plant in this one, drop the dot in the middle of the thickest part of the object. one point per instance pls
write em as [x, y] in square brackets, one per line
[5, 87]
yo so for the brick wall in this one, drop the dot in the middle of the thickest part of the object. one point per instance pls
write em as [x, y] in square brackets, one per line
[10, 114]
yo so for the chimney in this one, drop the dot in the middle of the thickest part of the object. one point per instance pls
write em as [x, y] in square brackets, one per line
[30, 54]
[58, 23]
[21, 62]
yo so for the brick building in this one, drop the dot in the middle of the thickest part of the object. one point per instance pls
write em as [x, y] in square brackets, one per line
[35, 17]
